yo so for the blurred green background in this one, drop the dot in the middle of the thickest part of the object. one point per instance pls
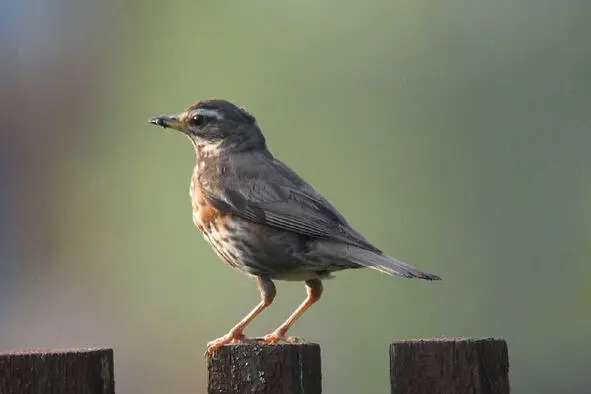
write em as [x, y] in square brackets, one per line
[455, 135]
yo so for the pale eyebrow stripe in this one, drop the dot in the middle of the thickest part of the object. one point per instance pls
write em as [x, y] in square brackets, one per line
[209, 113]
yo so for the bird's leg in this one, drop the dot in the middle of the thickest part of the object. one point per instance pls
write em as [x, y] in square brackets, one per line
[235, 335]
[314, 291]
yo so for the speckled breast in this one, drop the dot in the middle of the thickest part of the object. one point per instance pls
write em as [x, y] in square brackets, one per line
[252, 248]
[221, 230]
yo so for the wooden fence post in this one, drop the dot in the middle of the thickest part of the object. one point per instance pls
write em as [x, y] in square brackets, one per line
[79, 371]
[262, 368]
[449, 365]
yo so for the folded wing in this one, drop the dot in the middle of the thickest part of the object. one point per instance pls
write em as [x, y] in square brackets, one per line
[265, 191]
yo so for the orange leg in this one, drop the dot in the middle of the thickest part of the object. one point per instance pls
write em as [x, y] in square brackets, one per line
[236, 335]
[314, 291]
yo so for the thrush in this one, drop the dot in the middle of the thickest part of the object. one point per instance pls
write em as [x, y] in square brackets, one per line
[264, 220]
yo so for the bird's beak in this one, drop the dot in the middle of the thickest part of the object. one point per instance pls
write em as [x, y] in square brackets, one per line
[167, 121]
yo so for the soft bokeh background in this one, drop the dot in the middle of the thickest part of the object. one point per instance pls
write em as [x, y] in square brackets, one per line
[455, 135]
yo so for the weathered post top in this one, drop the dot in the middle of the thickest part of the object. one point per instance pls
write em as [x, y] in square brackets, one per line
[262, 368]
[84, 371]
[449, 366]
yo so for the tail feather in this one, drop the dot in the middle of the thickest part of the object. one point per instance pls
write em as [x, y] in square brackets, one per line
[387, 264]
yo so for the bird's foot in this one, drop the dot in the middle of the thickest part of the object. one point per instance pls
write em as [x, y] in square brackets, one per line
[273, 337]
[231, 337]
[277, 336]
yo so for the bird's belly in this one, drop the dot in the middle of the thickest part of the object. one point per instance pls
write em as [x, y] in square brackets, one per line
[227, 249]
[256, 249]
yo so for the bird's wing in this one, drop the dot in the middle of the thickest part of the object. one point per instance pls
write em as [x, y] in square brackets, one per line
[261, 189]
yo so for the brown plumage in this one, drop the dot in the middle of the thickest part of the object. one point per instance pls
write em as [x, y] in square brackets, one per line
[261, 218]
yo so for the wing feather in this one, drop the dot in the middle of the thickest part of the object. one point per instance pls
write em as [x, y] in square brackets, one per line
[263, 190]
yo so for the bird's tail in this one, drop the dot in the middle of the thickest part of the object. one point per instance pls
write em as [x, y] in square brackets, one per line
[387, 264]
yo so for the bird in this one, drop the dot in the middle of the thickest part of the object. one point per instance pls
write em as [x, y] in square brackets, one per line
[263, 219]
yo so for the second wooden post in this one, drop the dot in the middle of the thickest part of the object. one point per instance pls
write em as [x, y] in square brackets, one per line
[261, 368]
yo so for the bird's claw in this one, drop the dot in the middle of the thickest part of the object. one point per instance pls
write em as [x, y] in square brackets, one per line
[230, 337]
[275, 337]
[272, 338]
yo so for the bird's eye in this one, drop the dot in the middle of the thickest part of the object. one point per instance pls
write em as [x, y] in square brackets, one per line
[197, 120]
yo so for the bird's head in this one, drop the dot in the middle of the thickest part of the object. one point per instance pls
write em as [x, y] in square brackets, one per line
[216, 126]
